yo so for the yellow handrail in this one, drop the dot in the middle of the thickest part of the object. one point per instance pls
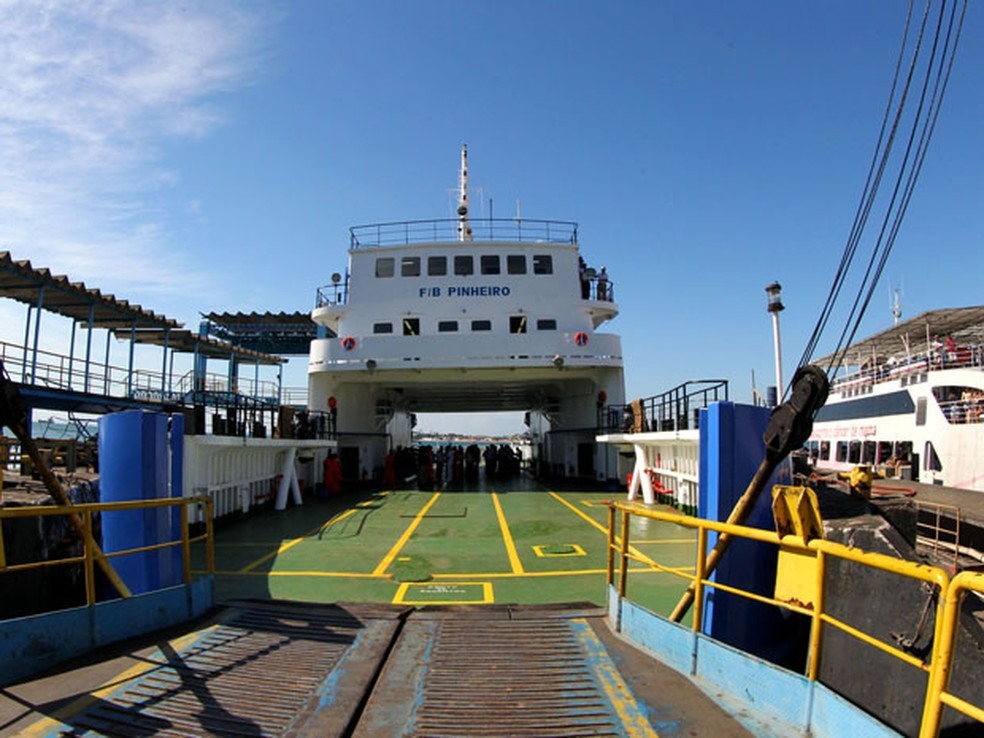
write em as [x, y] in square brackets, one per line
[949, 593]
[90, 553]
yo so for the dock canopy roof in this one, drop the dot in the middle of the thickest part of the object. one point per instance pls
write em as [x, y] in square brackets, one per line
[965, 325]
[280, 333]
[21, 281]
[184, 341]
[54, 292]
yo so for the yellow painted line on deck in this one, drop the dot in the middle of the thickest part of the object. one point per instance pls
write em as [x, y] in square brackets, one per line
[514, 562]
[290, 544]
[388, 558]
[633, 719]
[48, 726]
[632, 549]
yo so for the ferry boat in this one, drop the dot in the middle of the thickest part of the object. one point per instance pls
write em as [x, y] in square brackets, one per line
[467, 315]
[911, 402]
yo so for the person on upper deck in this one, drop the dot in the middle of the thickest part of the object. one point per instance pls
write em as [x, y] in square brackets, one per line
[602, 284]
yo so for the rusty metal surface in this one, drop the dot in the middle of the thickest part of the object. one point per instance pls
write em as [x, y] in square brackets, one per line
[266, 670]
[475, 676]
[290, 669]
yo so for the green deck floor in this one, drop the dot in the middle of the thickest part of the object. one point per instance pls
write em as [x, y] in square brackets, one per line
[498, 542]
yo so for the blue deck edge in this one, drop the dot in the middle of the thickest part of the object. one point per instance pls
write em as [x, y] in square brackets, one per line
[768, 700]
[31, 644]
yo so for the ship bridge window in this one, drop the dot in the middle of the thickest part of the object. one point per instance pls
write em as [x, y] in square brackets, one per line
[517, 324]
[437, 266]
[546, 324]
[516, 264]
[411, 326]
[384, 266]
[410, 266]
[382, 328]
[447, 326]
[463, 266]
[481, 325]
[542, 264]
[490, 264]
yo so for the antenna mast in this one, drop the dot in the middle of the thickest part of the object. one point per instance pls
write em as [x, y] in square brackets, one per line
[464, 230]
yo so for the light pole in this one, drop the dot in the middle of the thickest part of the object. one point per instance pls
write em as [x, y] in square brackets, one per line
[775, 306]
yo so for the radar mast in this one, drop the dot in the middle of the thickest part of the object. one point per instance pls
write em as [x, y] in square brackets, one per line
[464, 230]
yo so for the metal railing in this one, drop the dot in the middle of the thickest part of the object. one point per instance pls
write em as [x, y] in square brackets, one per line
[86, 512]
[520, 230]
[676, 409]
[937, 663]
[60, 372]
[936, 358]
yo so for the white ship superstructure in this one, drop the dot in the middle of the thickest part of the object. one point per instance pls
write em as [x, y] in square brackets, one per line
[468, 315]
[913, 402]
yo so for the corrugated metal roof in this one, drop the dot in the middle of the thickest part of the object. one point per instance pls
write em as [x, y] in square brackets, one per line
[21, 281]
[212, 348]
[965, 325]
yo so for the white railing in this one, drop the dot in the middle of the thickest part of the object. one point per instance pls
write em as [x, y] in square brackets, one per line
[935, 359]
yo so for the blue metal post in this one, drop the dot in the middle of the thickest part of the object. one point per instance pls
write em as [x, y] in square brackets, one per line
[129, 369]
[37, 335]
[88, 345]
[109, 334]
[167, 336]
[27, 339]
[71, 353]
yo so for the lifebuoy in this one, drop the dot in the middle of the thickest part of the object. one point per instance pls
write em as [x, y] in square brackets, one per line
[332, 403]
[602, 396]
[581, 338]
[348, 343]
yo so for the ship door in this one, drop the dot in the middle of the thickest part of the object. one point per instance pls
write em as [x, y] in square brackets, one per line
[585, 459]
[348, 456]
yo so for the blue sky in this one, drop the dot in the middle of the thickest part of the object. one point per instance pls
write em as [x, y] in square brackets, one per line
[212, 155]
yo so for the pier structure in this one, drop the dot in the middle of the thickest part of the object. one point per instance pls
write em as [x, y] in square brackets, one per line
[221, 409]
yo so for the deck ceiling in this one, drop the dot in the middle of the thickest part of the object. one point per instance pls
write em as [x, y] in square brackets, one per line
[479, 396]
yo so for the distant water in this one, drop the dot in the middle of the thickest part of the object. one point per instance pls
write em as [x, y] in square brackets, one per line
[61, 430]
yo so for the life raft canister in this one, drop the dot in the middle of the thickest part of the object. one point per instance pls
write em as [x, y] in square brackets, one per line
[348, 343]
[581, 338]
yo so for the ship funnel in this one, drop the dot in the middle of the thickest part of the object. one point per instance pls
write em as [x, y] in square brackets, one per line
[464, 230]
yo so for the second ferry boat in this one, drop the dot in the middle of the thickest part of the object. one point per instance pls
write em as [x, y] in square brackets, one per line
[468, 315]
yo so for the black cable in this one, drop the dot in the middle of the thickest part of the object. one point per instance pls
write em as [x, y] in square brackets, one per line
[928, 125]
[864, 205]
[934, 84]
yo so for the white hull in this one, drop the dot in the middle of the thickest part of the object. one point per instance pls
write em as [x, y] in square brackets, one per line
[918, 421]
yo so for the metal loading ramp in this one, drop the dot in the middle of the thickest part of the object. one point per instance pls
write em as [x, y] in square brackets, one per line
[268, 668]
[500, 674]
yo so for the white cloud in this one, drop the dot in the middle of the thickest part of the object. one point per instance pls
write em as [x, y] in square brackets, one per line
[89, 92]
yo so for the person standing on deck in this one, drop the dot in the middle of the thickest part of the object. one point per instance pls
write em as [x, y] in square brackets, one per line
[602, 284]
